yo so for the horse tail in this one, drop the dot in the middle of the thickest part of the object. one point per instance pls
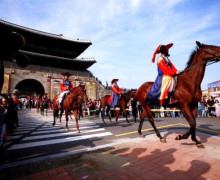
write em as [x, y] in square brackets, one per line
[55, 112]
[100, 106]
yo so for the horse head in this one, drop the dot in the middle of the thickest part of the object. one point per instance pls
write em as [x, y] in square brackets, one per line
[211, 53]
[81, 94]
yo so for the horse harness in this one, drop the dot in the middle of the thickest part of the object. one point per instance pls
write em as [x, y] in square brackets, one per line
[215, 59]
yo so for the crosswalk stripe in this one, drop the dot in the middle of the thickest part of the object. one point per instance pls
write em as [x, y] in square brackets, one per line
[69, 123]
[14, 137]
[51, 130]
[20, 132]
[56, 141]
[33, 125]
[60, 134]
[25, 129]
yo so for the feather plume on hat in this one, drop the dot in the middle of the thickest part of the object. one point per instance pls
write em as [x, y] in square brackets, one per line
[160, 49]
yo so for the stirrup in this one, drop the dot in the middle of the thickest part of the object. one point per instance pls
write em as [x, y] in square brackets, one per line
[173, 101]
[60, 106]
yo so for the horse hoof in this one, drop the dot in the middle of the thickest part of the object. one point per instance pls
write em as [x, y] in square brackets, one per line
[78, 131]
[178, 137]
[163, 140]
[141, 136]
[200, 146]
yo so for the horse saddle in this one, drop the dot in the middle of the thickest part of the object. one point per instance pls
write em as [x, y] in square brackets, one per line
[109, 101]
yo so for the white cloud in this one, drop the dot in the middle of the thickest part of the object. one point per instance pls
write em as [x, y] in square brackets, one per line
[124, 33]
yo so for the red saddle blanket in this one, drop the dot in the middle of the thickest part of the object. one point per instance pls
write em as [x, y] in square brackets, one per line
[109, 100]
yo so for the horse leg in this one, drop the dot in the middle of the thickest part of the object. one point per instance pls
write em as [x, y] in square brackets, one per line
[103, 114]
[60, 117]
[125, 113]
[70, 115]
[117, 113]
[54, 119]
[108, 111]
[55, 114]
[151, 120]
[66, 115]
[188, 114]
[135, 116]
[147, 111]
[75, 112]
[79, 112]
[102, 109]
[143, 115]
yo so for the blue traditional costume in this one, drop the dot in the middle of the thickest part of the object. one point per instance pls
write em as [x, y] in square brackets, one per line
[44, 99]
[164, 81]
[115, 92]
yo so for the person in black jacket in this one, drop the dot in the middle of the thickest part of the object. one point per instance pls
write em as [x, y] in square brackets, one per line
[4, 104]
[211, 106]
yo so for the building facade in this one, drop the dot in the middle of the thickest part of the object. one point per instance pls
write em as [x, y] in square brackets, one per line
[214, 89]
[50, 55]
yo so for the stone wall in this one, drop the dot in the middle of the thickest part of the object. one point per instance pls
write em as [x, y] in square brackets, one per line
[43, 75]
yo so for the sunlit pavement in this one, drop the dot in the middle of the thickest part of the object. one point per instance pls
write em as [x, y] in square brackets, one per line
[138, 158]
[144, 159]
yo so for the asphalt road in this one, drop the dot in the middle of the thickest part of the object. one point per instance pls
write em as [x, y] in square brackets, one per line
[36, 139]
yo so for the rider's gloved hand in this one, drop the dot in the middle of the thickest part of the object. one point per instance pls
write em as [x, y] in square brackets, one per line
[178, 72]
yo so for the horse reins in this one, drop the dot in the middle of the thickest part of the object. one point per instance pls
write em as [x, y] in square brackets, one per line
[214, 60]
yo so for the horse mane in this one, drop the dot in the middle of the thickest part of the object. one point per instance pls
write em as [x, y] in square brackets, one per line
[126, 93]
[191, 57]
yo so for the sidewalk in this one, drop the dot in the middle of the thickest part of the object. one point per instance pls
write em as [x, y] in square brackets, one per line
[145, 158]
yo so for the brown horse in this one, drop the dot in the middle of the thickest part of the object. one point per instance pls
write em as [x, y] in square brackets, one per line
[29, 104]
[72, 102]
[188, 91]
[37, 105]
[122, 102]
[45, 105]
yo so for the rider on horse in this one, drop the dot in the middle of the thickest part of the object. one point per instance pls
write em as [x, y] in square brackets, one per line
[65, 87]
[38, 97]
[164, 82]
[116, 91]
[44, 99]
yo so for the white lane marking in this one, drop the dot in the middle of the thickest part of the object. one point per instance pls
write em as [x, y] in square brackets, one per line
[57, 124]
[56, 141]
[51, 130]
[14, 137]
[24, 129]
[20, 132]
[60, 134]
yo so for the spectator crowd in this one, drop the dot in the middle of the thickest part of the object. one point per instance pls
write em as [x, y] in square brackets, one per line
[9, 105]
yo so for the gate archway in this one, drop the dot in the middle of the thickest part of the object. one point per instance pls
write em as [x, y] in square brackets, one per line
[30, 87]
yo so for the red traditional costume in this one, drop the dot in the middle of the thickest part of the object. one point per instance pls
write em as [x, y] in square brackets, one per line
[164, 81]
[65, 86]
[44, 97]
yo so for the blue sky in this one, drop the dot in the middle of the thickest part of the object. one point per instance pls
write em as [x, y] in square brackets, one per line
[125, 33]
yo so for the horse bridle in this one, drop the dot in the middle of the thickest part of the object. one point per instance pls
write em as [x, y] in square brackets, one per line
[215, 59]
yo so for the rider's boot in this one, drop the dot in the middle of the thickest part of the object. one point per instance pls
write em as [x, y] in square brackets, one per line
[173, 101]
[60, 105]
